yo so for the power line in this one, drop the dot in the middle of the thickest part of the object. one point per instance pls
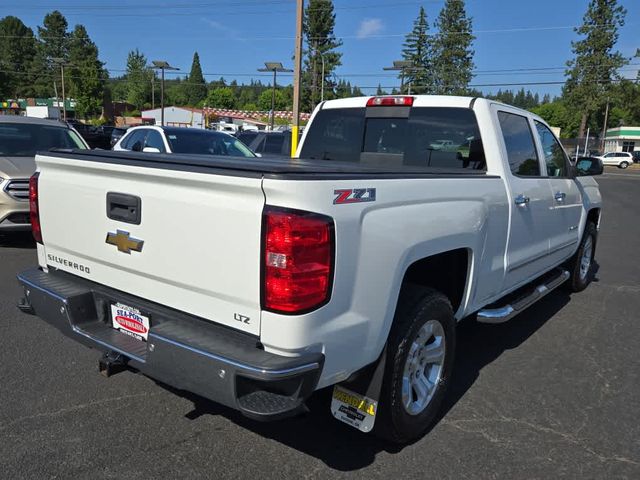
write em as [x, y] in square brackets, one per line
[225, 3]
[185, 82]
[342, 37]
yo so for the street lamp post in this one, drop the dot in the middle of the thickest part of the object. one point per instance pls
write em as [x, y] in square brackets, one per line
[402, 66]
[162, 65]
[274, 67]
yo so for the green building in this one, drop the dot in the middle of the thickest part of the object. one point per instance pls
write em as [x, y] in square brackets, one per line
[19, 106]
[622, 139]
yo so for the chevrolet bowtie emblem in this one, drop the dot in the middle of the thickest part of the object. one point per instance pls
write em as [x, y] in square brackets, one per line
[124, 242]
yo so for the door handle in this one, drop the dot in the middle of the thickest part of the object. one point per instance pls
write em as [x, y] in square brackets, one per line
[522, 201]
[560, 196]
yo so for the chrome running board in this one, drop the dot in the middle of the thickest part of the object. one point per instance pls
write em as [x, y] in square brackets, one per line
[507, 312]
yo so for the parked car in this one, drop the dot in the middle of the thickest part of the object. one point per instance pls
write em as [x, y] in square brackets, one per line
[254, 283]
[96, 137]
[444, 145]
[20, 139]
[619, 159]
[636, 156]
[276, 144]
[154, 139]
[116, 134]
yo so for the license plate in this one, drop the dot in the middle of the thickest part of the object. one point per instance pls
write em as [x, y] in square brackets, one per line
[129, 321]
[354, 409]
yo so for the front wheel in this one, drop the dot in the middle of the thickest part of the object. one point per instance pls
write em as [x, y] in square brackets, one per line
[581, 264]
[623, 165]
[420, 355]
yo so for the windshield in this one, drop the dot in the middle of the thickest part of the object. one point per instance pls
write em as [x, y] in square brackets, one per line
[207, 143]
[422, 137]
[25, 139]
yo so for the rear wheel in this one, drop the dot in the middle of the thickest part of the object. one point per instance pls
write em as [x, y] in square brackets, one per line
[581, 264]
[420, 354]
[623, 165]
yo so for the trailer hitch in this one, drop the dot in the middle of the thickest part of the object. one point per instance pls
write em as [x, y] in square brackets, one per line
[111, 363]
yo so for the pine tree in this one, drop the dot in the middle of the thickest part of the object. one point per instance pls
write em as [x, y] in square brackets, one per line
[321, 44]
[17, 51]
[418, 50]
[138, 79]
[88, 76]
[53, 44]
[453, 55]
[195, 87]
[595, 64]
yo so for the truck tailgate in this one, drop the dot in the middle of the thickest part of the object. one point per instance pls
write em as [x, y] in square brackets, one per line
[201, 234]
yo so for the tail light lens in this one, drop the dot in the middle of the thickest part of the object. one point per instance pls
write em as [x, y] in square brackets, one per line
[298, 257]
[397, 101]
[34, 211]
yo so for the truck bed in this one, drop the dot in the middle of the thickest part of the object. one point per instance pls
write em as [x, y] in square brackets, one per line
[276, 168]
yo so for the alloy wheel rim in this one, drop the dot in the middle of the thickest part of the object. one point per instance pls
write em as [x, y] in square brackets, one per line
[585, 260]
[423, 367]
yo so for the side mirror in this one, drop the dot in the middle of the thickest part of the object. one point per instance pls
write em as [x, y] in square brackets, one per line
[150, 150]
[589, 166]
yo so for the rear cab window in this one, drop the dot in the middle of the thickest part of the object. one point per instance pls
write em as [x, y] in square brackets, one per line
[414, 137]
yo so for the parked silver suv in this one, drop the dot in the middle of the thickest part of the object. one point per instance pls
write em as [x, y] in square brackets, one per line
[20, 139]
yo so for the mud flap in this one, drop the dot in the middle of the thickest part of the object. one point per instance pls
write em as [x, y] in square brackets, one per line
[355, 402]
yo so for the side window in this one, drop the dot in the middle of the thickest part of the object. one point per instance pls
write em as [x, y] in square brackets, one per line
[135, 142]
[259, 146]
[521, 149]
[274, 144]
[154, 140]
[554, 155]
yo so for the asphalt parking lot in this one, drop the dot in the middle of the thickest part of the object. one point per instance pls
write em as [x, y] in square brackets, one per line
[553, 393]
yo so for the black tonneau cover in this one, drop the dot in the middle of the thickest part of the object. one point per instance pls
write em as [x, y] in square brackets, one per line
[278, 168]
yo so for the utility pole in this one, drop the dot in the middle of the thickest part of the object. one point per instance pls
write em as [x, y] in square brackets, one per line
[297, 77]
[62, 62]
[64, 97]
[604, 130]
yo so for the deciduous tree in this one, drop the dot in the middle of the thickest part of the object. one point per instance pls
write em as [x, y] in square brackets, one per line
[138, 78]
[17, 51]
[87, 74]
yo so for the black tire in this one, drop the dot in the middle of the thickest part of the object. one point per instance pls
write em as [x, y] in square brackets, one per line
[416, 306]
[578, 281]
[623, 165]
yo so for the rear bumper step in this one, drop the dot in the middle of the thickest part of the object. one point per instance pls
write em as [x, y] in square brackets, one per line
[507, 312]
[183, 351]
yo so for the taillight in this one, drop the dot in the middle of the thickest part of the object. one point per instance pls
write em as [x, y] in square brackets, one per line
[398, 101]
[34, 211]
[298, 256]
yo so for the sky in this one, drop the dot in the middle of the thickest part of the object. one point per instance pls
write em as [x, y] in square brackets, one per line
[235, 37]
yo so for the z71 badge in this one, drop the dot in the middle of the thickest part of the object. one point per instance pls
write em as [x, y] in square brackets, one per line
[354, 195]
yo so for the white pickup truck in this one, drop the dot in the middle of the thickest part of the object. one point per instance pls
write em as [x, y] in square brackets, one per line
[255, 282]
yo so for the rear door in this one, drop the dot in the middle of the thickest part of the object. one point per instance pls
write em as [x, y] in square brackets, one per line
[567, 201]
[531, 216]
[192, 244]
